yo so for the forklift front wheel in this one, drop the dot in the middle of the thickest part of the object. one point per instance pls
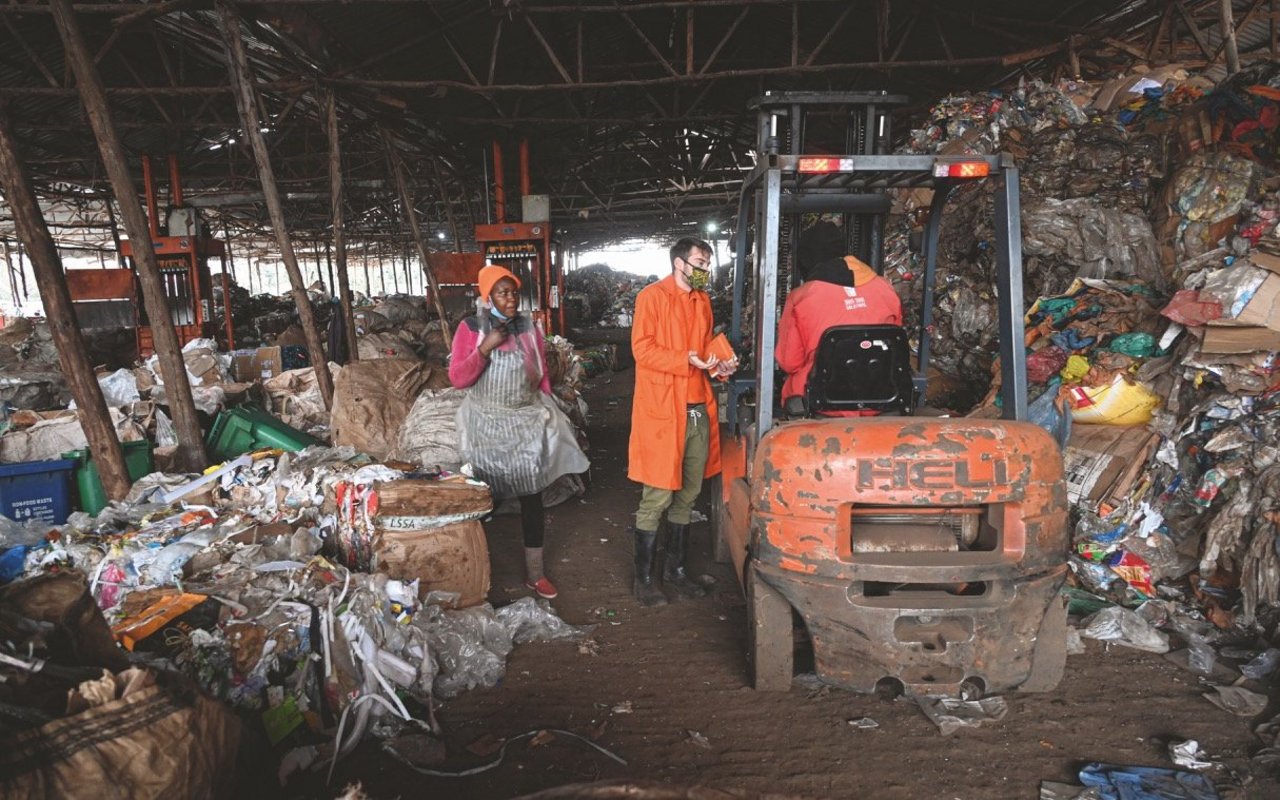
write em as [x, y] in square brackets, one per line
[769, 635]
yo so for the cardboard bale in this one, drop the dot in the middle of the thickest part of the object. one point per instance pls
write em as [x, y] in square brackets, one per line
[425, 498]
[1103, 462]
[266, 363]
[447, 558]
[410, 543]
[371, 400]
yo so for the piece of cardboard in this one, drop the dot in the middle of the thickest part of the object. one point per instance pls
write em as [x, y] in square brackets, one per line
[203, 364]
[1263, 308]
[1266, 261]
[1237, 339]
[1102, 462]
[261, 365]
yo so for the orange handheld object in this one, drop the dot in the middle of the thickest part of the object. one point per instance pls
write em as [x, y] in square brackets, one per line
[721, 349]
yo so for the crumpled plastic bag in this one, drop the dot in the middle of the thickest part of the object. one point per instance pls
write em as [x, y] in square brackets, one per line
[1189, 307]
[951, 714]
[1125, 627]
[1237, 700]
[166, 433]
[119, 388]
[471, 645]
[1045, 412]
[532, 620]
[1147, 783]
[1045, 363]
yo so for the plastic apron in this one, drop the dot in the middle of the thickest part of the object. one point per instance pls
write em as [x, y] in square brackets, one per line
[513, 435]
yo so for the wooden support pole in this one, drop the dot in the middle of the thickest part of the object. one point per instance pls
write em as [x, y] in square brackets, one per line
[1227, 21]
[406, 200]
[91, 407]
[339, 232]
[238, 60]
[443, 188]
[191, 455]
[13, 279]
[22, 271]
[331, 288]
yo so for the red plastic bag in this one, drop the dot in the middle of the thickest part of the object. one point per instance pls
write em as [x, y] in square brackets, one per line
[1043, 364]
[1187, 308]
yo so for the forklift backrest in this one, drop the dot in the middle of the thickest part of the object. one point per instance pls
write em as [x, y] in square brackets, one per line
[862, 368]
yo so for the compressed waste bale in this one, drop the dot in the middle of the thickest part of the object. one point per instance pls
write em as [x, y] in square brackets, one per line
[1083, 238]
[429, 435]
[371, 400]
[430, 531]
[385, 345]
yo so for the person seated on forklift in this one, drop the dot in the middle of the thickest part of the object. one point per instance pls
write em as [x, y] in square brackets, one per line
[509, 429]
[675, 440]
[838, 289]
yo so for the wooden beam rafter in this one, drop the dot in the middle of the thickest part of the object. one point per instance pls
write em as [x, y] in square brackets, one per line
[551, 53]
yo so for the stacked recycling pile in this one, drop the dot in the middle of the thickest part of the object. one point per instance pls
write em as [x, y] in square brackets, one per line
[1087, 350]
[238, 580]
[602, 297]
[976, 123]
[1152, 347]
[29, 373]
[1099, 160]
[1087, 184]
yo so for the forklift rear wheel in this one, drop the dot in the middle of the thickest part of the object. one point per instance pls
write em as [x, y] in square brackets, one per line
[1049, 659]
[719, 547]
[769, 635]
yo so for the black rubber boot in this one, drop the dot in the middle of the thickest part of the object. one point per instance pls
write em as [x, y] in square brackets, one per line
[644, 587]
[673, 573]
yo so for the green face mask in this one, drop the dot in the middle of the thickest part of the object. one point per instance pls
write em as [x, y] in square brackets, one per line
[698, 278]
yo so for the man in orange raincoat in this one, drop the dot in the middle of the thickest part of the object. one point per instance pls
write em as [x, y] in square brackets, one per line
[675, 440]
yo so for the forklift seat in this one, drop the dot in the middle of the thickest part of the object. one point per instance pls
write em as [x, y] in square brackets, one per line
[862, 368]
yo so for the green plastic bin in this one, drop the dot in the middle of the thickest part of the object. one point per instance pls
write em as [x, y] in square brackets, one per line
[244, 429]
[92, 497]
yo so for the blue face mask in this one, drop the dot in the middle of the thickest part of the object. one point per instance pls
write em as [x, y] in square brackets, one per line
[495, 312]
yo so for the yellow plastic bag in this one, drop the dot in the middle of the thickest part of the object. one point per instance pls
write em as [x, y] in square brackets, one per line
[1116, 403]
[1077, 367]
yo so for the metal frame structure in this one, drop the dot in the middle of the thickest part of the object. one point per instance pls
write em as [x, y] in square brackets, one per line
[633, 109]
[778, 186]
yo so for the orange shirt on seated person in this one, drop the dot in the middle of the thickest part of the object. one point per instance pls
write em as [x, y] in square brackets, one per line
[838, 291]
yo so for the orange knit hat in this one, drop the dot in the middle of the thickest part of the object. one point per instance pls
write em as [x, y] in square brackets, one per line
[491, 274]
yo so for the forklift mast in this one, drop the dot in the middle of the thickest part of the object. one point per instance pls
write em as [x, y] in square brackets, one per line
[797, 173]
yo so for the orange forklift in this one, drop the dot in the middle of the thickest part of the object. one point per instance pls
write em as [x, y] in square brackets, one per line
[923, 554]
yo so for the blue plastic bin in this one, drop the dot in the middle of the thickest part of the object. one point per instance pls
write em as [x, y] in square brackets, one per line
[37, 490]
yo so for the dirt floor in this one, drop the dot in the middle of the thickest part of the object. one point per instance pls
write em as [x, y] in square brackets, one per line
[666, 690]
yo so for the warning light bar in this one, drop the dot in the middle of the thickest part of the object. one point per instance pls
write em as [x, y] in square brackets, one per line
[961, 169]
[814, 164]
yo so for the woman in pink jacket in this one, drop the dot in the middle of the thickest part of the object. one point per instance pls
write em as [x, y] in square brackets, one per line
[509, 428]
